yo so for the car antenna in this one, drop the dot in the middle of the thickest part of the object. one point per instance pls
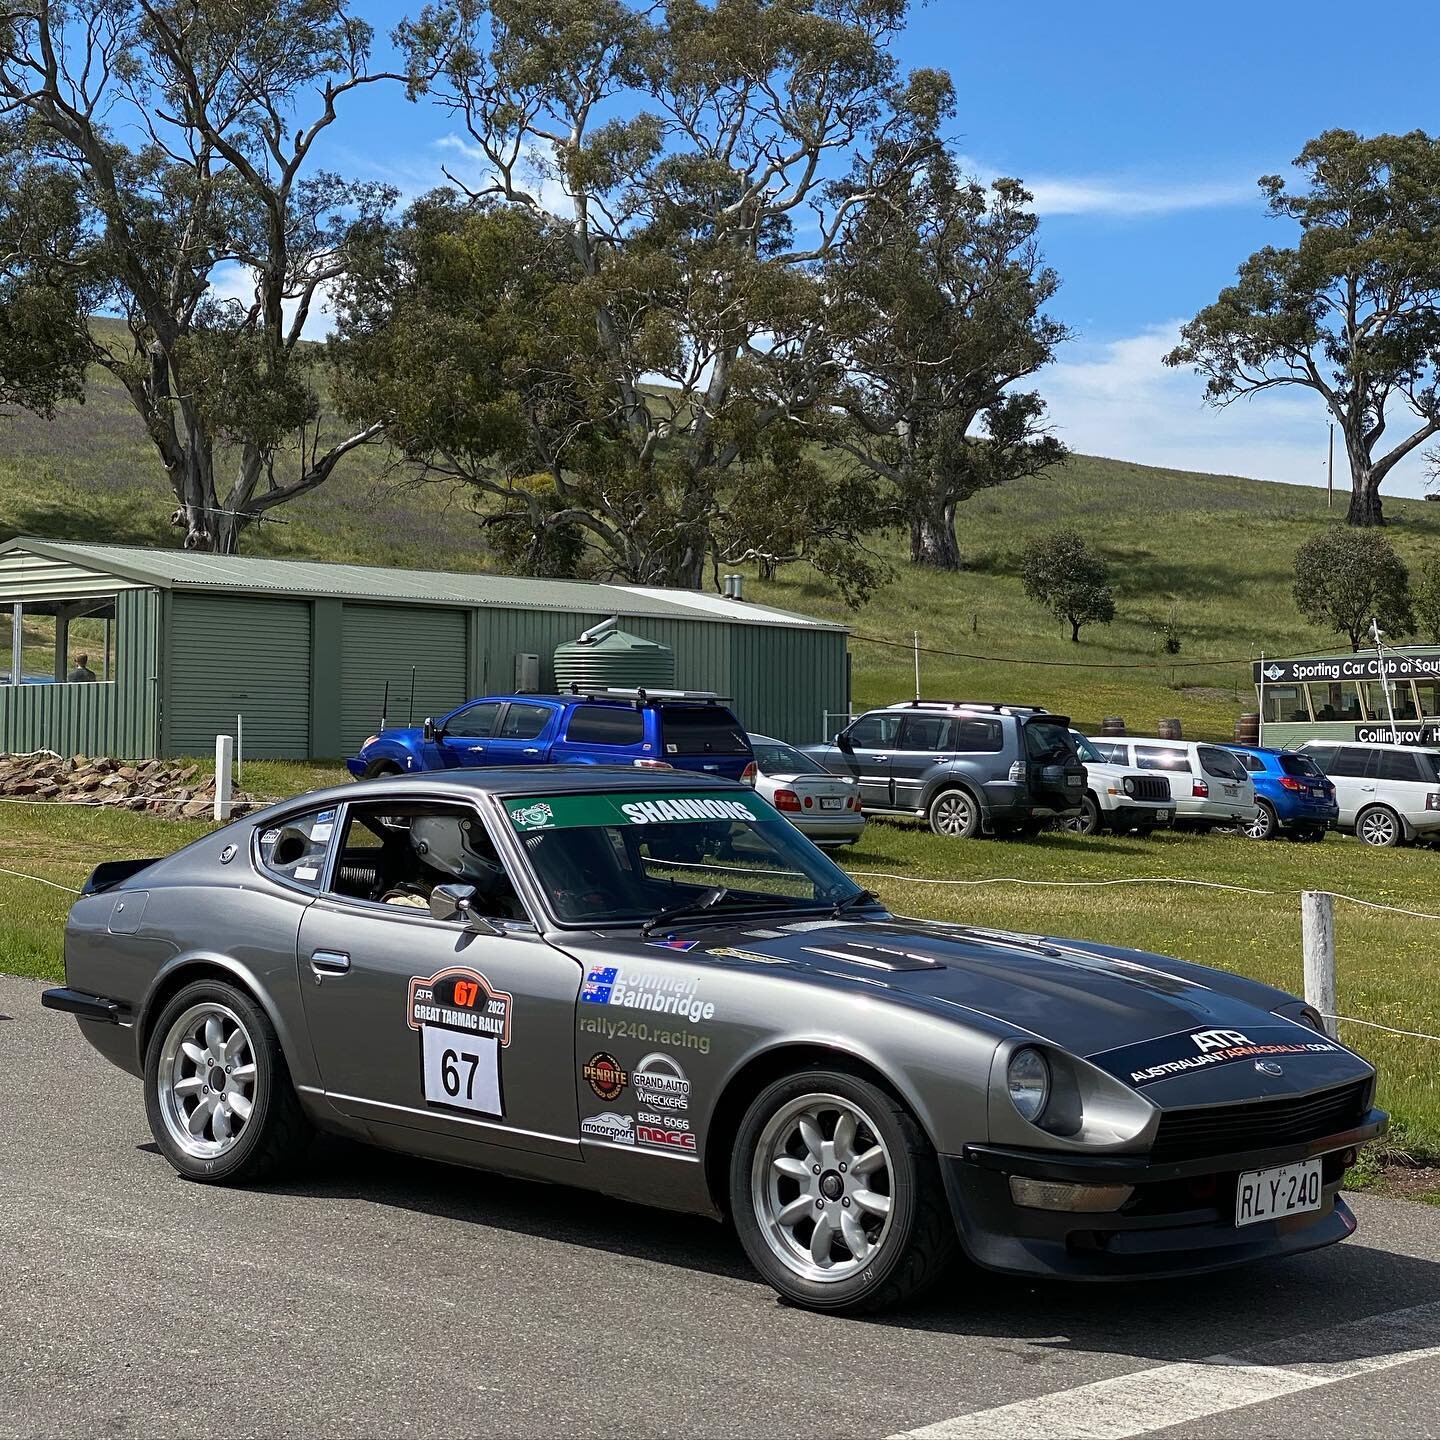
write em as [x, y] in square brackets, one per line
[411, 720]
[385, 705]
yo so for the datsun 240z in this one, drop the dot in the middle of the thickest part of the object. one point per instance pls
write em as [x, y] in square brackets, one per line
[652, 985]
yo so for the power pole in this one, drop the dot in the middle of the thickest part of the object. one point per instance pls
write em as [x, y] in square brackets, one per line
[917, 664]
[1330, 472]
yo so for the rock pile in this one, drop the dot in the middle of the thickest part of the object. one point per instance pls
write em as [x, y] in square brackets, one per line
[156, 786]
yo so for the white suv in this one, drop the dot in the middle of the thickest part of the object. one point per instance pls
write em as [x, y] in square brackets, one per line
[1388, 794]
[1208, 785]
[1119, 799]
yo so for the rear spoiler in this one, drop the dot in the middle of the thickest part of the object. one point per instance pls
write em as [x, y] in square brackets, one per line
[115, 872]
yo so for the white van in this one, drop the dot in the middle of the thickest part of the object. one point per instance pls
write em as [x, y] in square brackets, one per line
[1209, 785]
[1388, 794]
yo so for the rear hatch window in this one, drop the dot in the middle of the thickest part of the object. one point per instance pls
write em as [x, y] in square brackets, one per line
[1049, 741]
[1221, 764]
[1300, 767]
[701, 730]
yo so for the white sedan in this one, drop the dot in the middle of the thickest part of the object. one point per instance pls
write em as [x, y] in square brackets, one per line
[823, 807]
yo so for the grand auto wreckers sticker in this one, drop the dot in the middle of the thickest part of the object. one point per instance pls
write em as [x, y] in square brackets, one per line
[1186, 1050]
[464, 1023]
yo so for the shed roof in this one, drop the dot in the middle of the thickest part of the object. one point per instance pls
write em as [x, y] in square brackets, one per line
[254, 575]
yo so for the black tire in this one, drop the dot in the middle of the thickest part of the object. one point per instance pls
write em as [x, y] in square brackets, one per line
[1265, 825]
[1088, 821]
[276, 1133]
[1379, 826]
[954, 813]
[918, 1241]
[378, 768]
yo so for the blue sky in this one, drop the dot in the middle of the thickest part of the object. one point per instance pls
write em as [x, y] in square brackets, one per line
[1142, 129]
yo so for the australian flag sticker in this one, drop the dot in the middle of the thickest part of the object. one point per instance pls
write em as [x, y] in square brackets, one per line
[596, 989]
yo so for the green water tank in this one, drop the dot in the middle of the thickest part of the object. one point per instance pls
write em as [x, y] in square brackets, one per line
[616, 660]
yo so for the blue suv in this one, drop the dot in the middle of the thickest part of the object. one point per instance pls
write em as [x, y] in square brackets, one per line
[1292, 794]
[656, 730]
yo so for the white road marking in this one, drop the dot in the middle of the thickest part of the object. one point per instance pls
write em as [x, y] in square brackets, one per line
[1155, 1399]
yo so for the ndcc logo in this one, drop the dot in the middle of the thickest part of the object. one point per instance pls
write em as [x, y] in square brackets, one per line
[1208, 1040]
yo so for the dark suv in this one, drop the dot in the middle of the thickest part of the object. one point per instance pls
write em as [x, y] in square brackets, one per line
[658, 729]
[967, 768]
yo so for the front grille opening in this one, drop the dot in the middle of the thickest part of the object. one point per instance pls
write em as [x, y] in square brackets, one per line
[1262, 1125]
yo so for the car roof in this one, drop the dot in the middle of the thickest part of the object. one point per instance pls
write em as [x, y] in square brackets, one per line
[1368, 745]
[986, 707]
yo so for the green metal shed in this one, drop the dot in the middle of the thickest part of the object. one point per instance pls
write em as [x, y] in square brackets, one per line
[302, 651]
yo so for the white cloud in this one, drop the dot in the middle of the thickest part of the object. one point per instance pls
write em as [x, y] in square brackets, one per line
[535, 172]
[1129, 196]
[234, 281]
[1118, 399]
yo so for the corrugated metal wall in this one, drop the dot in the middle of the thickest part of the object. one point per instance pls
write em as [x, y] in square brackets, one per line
[380, 643]
[788, 677]
[107, 718]
[229, 655]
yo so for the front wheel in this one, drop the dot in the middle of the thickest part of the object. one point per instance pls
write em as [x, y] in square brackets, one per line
[1380, 827]
[955, 815]
[217, 1089]
[1087, 822]
[378, 769]
[837, 1196]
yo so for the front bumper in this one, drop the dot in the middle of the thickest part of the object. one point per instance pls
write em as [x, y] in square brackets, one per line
[356, 766]
[1129, 817]
[1179, 1221]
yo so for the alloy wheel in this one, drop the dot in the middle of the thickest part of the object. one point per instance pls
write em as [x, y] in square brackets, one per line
[820, 1185]
[1379, 827]
[1263, 825]
[206, 1080]
[953, 814]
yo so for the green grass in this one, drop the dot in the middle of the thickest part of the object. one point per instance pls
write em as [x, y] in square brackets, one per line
[1386, 963]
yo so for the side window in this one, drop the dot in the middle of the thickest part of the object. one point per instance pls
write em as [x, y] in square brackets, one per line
[295, 849]
[1158, 757]
[873, 732]
[979, 737]
[1339, 700]
[923, 732]
[1110, 752]
[524, 722]
[1323, 756]
[1253, 763]
[475, 722]
[1396, 765]
[1286, 703]
[605, 725]
[395, 853]
[1351, 761]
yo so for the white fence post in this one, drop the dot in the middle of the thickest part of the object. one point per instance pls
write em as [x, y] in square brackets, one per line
[1317, 928]
[224, 757]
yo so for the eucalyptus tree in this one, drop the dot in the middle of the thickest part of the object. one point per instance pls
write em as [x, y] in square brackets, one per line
[165, 170]
[1351, 311]
[683, 154]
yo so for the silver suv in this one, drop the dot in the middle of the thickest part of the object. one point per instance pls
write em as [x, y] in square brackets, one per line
[1388, 794]
[967, 768]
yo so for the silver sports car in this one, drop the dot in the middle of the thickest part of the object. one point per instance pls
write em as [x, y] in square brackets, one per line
[652, 985]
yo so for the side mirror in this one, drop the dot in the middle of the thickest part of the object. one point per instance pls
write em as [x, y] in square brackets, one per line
[457, 902]
[428, 733]
[842, 742]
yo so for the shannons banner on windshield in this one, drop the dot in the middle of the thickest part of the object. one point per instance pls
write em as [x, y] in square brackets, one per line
[562, 812]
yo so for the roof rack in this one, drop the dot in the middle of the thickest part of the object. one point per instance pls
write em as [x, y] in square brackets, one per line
[986, 706]
[642, 696]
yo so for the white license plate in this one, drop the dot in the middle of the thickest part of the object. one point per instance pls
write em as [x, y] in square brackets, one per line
[1232, 789]
[832, 802]
[1072, 780]
[1285, 1190]
[1162, 814]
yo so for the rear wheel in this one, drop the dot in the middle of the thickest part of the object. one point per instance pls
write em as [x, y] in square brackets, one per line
[837, 1196]
[1087, 822]
[954, 814]
[217, 1089]
[1265, 825]
[1379, 826]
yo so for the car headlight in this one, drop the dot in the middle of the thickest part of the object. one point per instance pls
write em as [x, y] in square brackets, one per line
[1129, 786]
[1028, 1079]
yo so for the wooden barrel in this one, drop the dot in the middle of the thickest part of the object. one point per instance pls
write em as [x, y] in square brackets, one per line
[1113, 725]
[1169, 730]
[1247, 729]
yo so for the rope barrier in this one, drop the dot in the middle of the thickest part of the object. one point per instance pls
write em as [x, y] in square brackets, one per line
[1066, 884]
[1388, 1029]
[21, 875]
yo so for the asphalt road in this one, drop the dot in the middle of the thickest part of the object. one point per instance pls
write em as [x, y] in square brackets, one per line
[381, 1296]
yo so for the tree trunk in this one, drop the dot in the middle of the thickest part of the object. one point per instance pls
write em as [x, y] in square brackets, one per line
[1074, 631]
[1364, 494]
[932, 535]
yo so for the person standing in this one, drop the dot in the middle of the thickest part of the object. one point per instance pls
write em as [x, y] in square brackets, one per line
[82, 671]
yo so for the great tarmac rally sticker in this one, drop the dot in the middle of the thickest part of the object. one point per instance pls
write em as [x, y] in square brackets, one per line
[464, 1024]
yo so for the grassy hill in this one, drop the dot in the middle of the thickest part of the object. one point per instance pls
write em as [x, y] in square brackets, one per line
[1215, 550]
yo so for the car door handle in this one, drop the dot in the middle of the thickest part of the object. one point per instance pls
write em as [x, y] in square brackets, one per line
[329, 962]
[882, 759]
[532, 749]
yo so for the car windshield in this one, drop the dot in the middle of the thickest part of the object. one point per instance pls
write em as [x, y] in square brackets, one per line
[773, 758]
[627, 857]
[1084, 749]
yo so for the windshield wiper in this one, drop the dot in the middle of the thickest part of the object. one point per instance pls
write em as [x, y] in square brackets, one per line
[852, 902]
[710, 900]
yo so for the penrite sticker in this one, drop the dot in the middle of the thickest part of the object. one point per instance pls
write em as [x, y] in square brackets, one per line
[604, 1075]
[1187, 1050]
[460, 999]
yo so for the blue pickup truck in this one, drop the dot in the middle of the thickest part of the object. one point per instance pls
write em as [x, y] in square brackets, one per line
[655, 729]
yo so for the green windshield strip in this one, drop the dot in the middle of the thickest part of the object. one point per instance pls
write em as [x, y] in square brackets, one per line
[570, 812]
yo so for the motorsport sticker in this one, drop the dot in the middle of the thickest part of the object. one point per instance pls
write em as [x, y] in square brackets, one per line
[661, 1084]
[604, 1075]
[1186, 1050]
[579, 811]
[464, 1022]
[643, 990]
[617, 1129]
